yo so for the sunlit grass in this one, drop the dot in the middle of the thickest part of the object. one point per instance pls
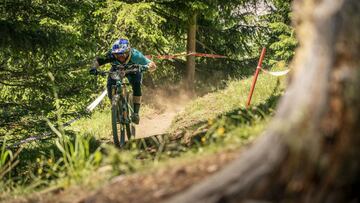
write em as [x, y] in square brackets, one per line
[99, 123]
[232, 97]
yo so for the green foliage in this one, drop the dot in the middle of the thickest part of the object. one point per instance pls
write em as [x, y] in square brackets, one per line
[222, 27]
[282, 35]
[37, 37]
[138, 22]
[77, 160]
[284, 48]
[237, 125]
[63, 37]
[7, 160]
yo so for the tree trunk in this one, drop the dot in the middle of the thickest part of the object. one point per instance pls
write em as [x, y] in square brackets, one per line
[311, 150]
[190, 60]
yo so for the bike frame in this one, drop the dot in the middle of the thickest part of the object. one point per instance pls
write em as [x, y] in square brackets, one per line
[120, 94]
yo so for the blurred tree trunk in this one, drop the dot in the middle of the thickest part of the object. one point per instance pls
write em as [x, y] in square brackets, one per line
[191, 48]
[311, 150]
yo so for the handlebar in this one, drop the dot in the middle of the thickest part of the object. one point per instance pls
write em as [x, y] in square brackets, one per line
[122, 70]
[128, 67]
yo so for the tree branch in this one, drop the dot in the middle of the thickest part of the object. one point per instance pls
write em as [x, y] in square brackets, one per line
[12, 85]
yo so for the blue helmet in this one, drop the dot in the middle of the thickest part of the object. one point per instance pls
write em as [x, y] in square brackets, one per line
[121, 46]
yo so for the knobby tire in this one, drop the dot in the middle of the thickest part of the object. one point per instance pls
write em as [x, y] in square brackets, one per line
[114, 121]
[119, 125]
[130, 128]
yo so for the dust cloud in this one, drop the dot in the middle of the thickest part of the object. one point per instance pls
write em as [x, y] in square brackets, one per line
[167, 104]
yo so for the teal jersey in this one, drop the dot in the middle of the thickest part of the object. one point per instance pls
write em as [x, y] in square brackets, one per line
[135, 57]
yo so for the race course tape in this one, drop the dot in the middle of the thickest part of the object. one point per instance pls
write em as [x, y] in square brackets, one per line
[96, 102]
[273, 73]
[186, 54]
[276, 73]
[89, 108]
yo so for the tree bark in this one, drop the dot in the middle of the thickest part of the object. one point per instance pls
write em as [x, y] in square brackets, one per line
[190, 60]
[311, 150]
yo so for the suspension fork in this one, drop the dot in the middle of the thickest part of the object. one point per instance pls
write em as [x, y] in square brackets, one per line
[122, 91]
[114, 94]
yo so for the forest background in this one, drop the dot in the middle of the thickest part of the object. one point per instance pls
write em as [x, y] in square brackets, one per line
[43, 40]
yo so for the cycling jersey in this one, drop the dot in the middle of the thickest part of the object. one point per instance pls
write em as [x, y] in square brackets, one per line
[135, 79]
[135, 57]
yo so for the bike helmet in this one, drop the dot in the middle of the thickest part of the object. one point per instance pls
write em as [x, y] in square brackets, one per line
[121, 46]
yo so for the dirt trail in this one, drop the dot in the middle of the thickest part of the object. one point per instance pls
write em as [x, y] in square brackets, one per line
[156, 124]
[159, 123]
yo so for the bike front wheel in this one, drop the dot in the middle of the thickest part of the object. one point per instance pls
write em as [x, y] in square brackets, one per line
[130, 128]
[115, 122]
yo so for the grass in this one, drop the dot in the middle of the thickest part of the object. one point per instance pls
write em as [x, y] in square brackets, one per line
[233, 97]
[86, 159]
[99, 123]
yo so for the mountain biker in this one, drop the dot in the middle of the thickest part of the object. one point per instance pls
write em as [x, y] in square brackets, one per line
[122, 53]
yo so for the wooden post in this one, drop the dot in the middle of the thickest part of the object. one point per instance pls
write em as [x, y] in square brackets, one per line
[190, 59]
[256, 76]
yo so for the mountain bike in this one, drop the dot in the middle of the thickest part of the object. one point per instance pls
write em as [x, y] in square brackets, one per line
[121, 108]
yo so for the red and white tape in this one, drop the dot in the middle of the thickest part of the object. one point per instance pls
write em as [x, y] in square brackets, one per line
[276, 73]
[172, 56]
[196, 54]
